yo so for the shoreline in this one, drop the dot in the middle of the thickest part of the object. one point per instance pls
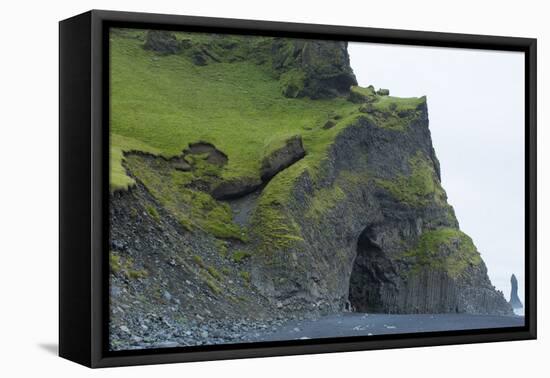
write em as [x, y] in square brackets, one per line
[363, 324]
[345, 324]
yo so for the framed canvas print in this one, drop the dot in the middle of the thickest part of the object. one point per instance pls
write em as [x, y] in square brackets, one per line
[234, 188]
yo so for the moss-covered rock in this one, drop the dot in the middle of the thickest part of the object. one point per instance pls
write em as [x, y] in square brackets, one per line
[445, 249]
[329, 124]
[293, 83]
[282, 157]
[366, 108]
[310, 68]
[419, 187]
[162, 42]
[361, 95]
[236, 187]
[185, 195]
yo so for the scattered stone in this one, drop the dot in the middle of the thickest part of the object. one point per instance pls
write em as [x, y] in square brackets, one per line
[383, 92]
[124, 329]
[329, 124]
[114, 290]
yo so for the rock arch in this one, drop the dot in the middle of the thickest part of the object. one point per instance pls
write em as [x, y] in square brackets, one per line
[371, 286]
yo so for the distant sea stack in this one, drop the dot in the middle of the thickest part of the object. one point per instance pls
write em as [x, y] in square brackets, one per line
[514, 299]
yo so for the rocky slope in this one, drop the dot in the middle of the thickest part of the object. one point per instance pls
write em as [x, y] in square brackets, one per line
[347, 213]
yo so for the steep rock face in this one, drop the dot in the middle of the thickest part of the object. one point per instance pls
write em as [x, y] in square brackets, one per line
[316, 69]
[365, 225]
[365, 236]
[515, 302]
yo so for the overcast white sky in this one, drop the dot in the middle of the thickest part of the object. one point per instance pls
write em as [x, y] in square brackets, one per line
[475, 105]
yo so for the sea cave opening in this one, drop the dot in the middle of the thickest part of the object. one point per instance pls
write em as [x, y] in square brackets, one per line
[368, 275]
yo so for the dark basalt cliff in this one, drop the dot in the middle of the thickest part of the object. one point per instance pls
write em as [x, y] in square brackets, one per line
[364, 225]
[373, 244]
[316, 69]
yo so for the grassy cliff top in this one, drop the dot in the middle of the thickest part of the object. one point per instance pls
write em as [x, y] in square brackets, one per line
[161, 103]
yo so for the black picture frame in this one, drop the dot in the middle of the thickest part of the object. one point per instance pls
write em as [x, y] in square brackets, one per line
[84, 190]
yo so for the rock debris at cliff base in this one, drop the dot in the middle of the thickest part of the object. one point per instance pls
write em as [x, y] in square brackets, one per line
[254, 184]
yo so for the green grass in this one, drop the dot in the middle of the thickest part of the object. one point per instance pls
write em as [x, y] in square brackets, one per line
[239, 256]
[446, 249]
[270, 221]
[214, 272]
[292, 82]
[213, 286]
[114, 262]
[420, 187]
[137, 274]
[221, 245]
[394, 112]
[323, 200]
[391, 104]
[361, 95]
[245, 276]
[198, 260]
[118, 177]
[125, 267]
[153, 213]
[193, 208]
[160, 104]
[209, 274]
